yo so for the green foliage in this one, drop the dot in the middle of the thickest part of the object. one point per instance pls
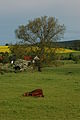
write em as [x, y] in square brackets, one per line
[76, 59]
[70, 56]
[5, 57]
[41, 32]
[6, 68]
[18, 50]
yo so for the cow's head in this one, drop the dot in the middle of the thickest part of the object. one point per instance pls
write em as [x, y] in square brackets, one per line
[26, 94]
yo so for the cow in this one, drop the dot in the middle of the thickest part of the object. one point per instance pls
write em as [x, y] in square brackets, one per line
[34, 93]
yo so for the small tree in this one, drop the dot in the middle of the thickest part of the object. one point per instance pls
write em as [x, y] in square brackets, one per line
[18, 50]
[41, 32]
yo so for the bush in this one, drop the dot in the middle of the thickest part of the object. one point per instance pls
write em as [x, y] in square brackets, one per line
[76, 59]
[4, 57]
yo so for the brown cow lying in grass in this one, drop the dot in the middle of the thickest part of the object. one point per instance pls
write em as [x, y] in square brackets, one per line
[35, 93]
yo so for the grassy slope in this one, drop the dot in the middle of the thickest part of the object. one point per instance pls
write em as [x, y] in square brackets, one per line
[61, 88]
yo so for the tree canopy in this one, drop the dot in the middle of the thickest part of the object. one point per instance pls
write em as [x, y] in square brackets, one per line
[41, 31]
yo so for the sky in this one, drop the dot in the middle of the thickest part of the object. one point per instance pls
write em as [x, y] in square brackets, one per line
[14, 13]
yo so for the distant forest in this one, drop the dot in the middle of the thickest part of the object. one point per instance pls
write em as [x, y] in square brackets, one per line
[74, 44]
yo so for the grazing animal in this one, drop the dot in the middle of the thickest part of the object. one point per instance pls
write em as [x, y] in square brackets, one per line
[35, 93]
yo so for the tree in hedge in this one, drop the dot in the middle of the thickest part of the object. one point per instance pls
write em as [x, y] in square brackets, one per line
[41, 32]
[18, 50]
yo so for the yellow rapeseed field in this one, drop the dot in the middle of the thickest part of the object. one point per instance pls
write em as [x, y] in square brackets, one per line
[57, 50]
[4, 49]
[62, 50]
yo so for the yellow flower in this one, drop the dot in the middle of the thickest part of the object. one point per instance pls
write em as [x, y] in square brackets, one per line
[47, 50]
[4, 49]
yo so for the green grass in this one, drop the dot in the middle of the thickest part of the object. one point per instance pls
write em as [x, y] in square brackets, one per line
[61, 87]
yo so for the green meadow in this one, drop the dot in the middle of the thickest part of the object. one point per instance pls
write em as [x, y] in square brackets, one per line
[61, 88]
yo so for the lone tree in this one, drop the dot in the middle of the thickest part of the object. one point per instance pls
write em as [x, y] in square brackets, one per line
[41, 32]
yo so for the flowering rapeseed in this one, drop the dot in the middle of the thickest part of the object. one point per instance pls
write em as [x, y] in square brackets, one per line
[57, 50]
[4, 49]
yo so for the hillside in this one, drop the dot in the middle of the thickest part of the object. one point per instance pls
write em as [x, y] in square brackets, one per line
[74, 44]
